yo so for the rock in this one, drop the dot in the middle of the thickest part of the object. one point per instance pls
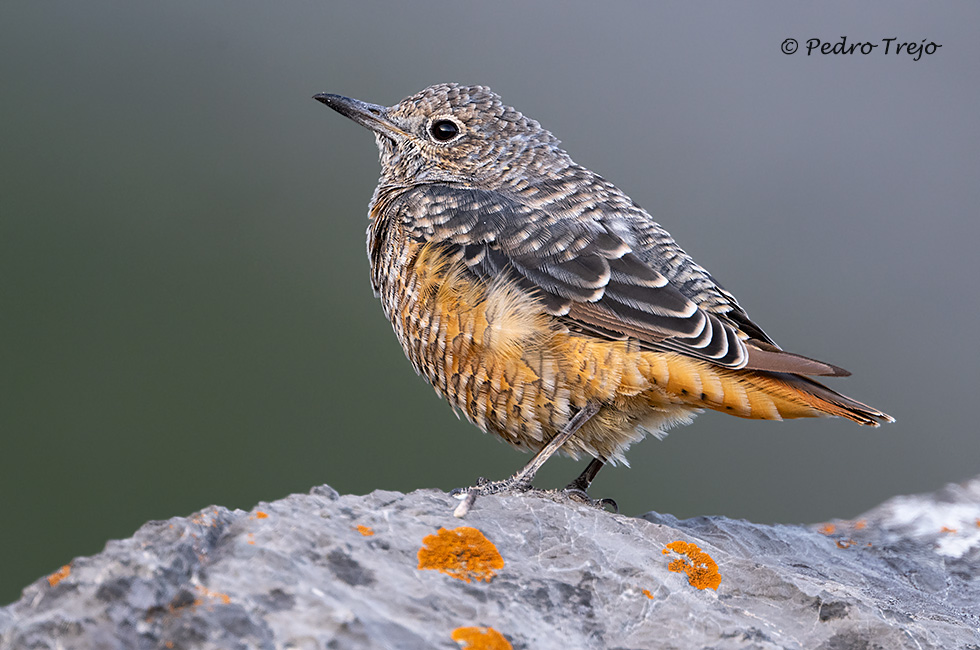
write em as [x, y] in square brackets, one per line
[329, 571]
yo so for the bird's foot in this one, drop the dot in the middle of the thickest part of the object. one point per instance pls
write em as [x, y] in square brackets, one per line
[485, 487]
[515, 484]
[579, 495]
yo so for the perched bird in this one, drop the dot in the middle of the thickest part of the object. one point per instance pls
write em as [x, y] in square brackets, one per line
[544, 303]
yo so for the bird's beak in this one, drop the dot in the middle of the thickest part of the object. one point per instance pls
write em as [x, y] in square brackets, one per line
[371, 116]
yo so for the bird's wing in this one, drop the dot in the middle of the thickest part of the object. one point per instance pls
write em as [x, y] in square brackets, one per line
[590, 276]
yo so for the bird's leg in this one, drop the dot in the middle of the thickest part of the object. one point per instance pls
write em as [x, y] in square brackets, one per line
[521, 481]
[578, 489]
[585, 479]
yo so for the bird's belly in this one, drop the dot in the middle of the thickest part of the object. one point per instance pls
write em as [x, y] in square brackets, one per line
[515, 371]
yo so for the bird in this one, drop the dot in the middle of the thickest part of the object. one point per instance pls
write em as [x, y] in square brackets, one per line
[545, 304]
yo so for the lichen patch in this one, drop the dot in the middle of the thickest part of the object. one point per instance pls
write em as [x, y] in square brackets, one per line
[701, 570]
[463, 553]
[480, 638]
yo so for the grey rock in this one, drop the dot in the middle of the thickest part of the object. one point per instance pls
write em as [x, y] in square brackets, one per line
[298, 573]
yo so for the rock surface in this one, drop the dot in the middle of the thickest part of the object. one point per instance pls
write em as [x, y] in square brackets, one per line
[329, 571]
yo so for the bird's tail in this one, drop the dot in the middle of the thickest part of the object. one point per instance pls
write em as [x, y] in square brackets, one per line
[753, 394]
[796, 393]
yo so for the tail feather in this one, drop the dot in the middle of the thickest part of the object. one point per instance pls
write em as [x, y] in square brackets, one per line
[756, 394]
[829, 401]
[777, 395]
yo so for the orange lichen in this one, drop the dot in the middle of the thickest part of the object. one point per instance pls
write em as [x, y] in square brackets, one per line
[251, 539]
[216, 595]
[844, 543]
[978, 523]
[260, 515]
[365, 530]
[59, 575]
[702, 571]
[480, 638]
[947, 529]
[827, 529]
[463, 553]
[646, 592]
[205, 518]
[860, 524]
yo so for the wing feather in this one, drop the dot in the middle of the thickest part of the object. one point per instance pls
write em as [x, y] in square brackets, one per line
[611, 283]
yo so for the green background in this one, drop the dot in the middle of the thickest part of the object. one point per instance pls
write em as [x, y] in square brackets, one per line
[185, 312]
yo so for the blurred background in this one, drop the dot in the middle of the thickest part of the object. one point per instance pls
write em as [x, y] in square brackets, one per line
[185, 312]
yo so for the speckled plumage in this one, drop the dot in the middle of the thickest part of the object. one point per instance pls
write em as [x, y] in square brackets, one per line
[524, 287]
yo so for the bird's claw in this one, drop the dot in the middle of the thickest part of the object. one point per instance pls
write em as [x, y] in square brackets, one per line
[581, 496]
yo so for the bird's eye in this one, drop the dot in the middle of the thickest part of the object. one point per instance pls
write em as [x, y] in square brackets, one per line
[444, 130]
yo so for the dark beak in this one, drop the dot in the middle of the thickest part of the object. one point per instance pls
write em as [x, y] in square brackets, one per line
[370, 116]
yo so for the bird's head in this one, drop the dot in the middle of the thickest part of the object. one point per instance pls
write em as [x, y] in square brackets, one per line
[455, 134]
